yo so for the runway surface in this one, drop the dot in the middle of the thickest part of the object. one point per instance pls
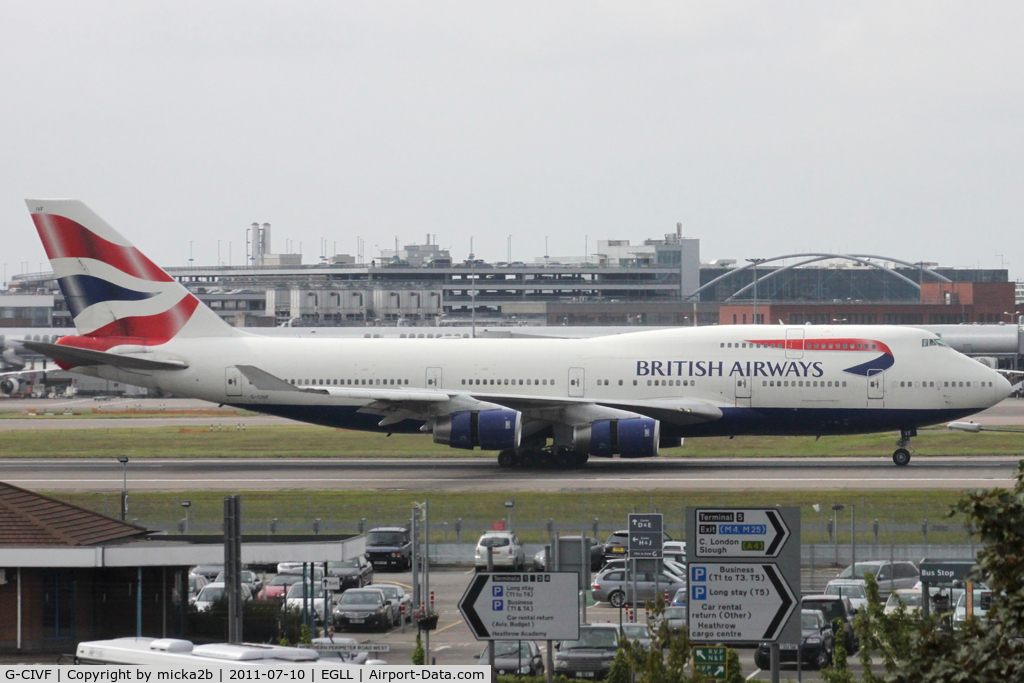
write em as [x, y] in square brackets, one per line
[460, 474]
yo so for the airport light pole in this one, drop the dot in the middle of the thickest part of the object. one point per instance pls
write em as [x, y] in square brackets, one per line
[186, 504]
[754, 261]
[835, 525]
[123, 459]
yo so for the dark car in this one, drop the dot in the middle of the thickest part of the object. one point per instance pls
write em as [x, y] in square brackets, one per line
[389, 546]
[591, 656]
[354, 573]
[363, 608]
[835, 607]
[617, 544]
[596, 554]
[817, 646]
[516, 658]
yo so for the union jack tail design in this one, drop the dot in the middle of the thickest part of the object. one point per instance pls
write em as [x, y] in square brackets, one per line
[115, 294]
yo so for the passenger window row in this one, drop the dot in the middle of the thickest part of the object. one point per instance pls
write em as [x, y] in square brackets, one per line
[801, 383]
[813, 346]
[947, 385]
[508, 382]
[669, 382]
[347, 382]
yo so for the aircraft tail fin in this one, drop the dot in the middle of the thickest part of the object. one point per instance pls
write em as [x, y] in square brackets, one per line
[115, 294]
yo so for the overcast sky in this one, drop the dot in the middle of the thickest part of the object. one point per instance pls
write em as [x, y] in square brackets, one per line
[764, 127]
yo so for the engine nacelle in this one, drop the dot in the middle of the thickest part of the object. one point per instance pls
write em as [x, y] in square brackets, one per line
[637, 437]
[491, 430]
[9, 386]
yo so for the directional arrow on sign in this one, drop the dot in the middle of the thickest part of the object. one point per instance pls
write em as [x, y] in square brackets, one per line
[738, 602]
[467, 605]
[735, 532]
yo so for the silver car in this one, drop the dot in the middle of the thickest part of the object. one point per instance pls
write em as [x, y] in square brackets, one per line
[612, 586]
[889, 575]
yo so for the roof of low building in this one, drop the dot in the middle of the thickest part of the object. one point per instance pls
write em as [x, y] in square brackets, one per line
[31, 519]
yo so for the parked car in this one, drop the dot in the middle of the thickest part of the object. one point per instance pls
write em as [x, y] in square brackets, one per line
[591, 655]
[212, 592]
[596, 554]
[354, 573]
[296, 568]
[855, 589]
[515, 657]
[277, 587]
[674, 550]
[676, 618]
[982, 604]
[834, 607]
[617, 544]
[639, 633]
[207, 571]
[613, 587]
[398, 598]
[295, 598]
[889, 575]
[670, 567]
[817, 644]
[196, 583]
[363, 608]
[389, 547]
[910, 598]
[508, 550]
[250, 578]
[679, 599]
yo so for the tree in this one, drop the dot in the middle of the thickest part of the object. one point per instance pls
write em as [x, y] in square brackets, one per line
[989, 650]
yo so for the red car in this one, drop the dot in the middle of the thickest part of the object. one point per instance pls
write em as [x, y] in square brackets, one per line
[278, 586]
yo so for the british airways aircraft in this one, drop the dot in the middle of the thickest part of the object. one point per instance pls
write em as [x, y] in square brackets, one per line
[532, 400]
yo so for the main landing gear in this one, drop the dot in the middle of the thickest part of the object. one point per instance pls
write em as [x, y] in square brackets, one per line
[542, 456]
[901, 456]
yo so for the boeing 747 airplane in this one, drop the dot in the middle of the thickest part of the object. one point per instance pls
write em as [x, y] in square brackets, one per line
[532, 400]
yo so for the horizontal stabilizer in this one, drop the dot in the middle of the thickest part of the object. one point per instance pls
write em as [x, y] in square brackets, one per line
[76, 357]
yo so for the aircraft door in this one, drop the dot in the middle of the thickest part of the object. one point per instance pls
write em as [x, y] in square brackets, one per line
[433, 380]
[876, 386]
[576, 379]
[794, 342]
[232, 382]
[742, 385]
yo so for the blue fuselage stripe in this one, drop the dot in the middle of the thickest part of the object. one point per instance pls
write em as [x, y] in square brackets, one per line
[734, 421]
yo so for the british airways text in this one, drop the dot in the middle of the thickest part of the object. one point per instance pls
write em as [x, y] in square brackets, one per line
[701, 368]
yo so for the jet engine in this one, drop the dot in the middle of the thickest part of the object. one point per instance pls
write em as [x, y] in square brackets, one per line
[491, 430]
[637, 437]
[9, 386]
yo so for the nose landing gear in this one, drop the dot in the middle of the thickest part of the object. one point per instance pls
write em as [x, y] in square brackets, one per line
[901, 456]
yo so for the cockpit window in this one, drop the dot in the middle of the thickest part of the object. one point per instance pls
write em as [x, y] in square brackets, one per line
[934, 342]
